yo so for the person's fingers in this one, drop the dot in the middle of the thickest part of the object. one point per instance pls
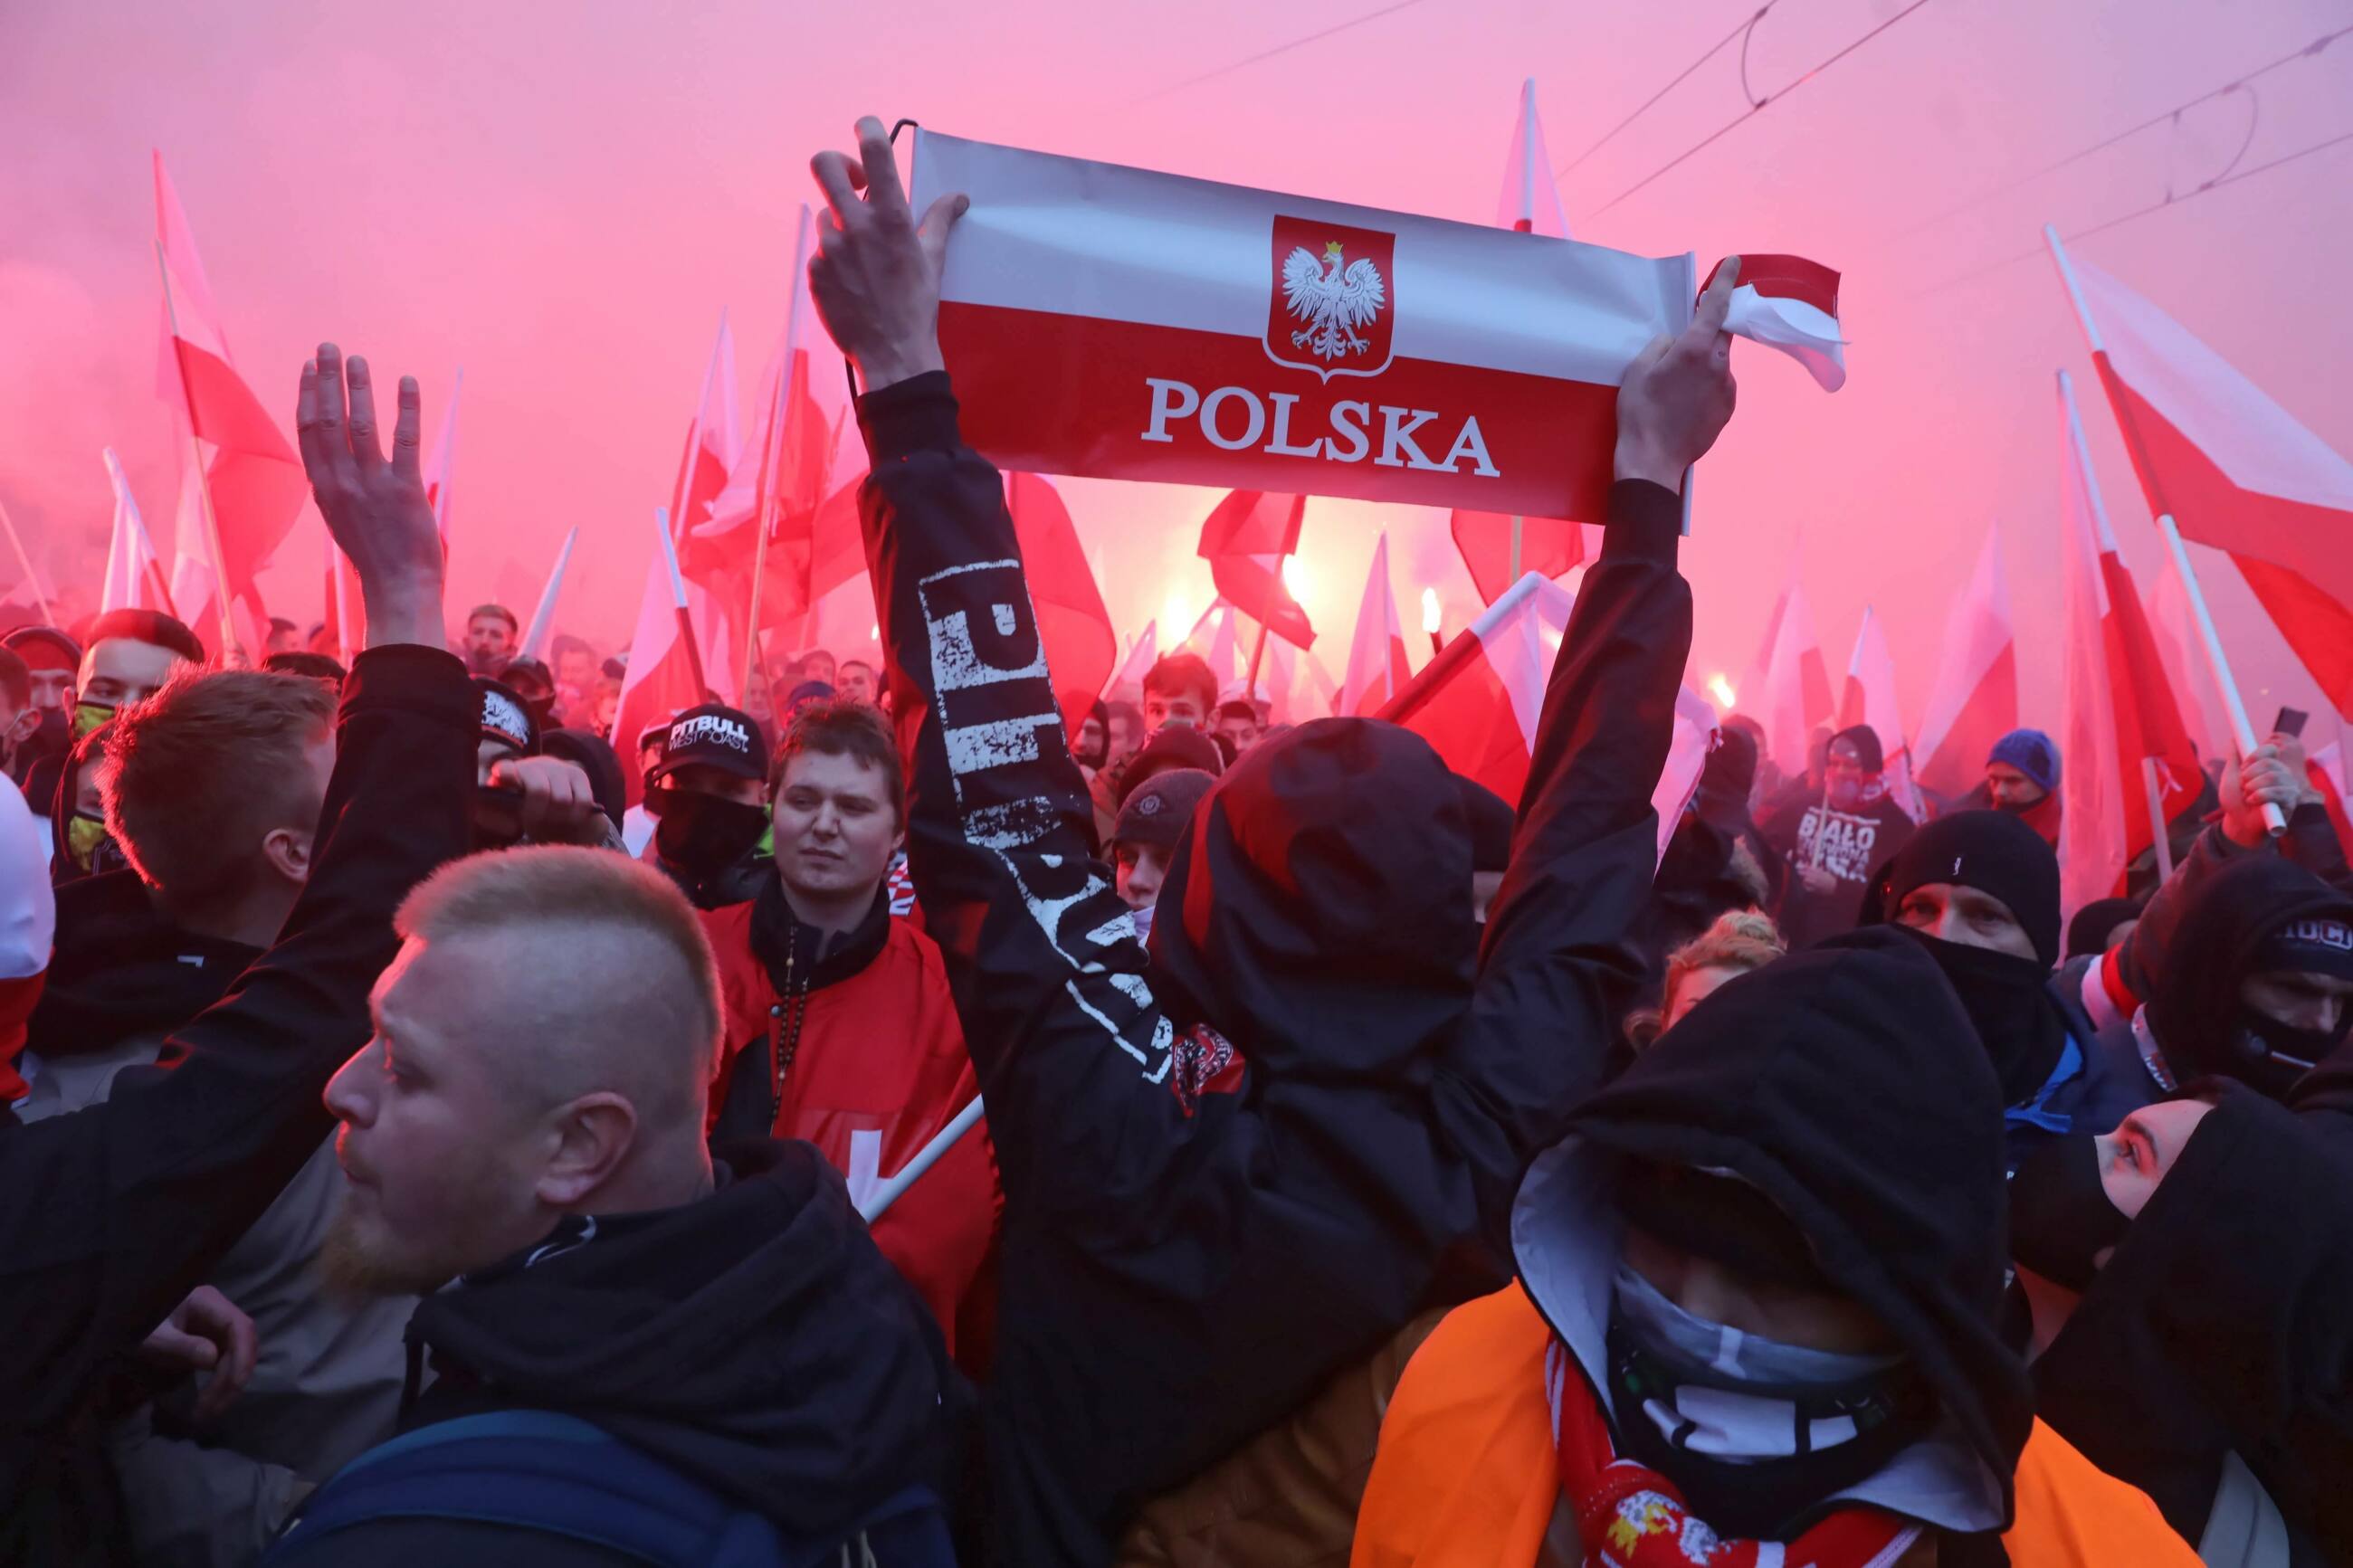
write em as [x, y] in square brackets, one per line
[329, 413]
[832, 172]
[1652, 352]
[408, 429]
[238, 1348]
[174, 1344]
[365, 445]
[306, 421]
[938, 219]
[1716, 302]
[883, 191]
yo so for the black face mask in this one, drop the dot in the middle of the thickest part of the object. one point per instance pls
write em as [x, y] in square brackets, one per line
[699, 834]
[2270, 1056]
[2009, 999]
[2059, 1216]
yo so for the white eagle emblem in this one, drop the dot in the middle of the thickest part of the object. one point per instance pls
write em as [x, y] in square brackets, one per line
[1331, 299]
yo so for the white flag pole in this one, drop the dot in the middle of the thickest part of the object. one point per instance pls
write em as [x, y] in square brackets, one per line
[2155, 787]
[946, 1138]
[2241, 732]
[678, 601]
[763, 508]
[543, 619]
[32, 580]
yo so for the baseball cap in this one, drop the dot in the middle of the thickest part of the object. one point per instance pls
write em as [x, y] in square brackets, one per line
[505, 719]
[713, 736]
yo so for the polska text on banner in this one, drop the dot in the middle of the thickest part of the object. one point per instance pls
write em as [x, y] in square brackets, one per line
[1117, 323]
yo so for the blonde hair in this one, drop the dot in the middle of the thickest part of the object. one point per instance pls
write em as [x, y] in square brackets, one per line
[1742, 940]
[552, 889]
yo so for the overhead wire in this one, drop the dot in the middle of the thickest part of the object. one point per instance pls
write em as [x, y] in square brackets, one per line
[1282, 49]
[1676, 80]
[1756, 105]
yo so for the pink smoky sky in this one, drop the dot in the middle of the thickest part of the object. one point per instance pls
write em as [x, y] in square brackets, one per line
[563, 197]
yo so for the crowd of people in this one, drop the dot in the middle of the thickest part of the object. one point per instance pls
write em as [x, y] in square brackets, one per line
[414, 1151]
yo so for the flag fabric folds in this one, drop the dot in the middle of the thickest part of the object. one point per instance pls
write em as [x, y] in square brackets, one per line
[1975, 701]
[659, 681]
[1549, 547]
[1790, 303]
[1245, 538]
[134, 576]
[2235, 470]
[1378, 670]
[1788, 685]
[1869, 697]
[1065, 604]
[1530, 200]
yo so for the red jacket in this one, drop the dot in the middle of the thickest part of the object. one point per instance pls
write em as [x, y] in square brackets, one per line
[875, 1066]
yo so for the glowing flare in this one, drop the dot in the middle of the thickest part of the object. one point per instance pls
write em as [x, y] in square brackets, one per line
[1430, 618]
[1294, 576]
[1721, 689]
[1176, 612]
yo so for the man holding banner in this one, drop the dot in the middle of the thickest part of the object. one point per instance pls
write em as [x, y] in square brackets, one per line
[1221, 1191]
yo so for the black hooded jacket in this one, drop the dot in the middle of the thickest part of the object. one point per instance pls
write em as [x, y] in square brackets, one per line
[754, 1340]
[2193, 1011]
[122, 971]
[1191, 1246]
[2221, 1324]
[1847, 1084]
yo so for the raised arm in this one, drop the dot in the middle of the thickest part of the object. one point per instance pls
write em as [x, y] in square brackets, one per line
[1557, 964]
[1072, 1052]
[111, 1214]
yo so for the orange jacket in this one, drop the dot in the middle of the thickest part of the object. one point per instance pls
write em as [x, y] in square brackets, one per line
[1466, 1476]
[878, 1069]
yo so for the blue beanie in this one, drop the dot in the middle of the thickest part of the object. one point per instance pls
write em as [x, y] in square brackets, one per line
[2030, 752]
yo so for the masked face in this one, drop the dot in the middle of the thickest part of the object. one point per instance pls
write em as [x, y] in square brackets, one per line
[700, 834]
[2008, 998]
[1844, 777]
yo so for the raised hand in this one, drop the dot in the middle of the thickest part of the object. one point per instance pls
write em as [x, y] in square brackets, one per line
[876, 274]
[551, 801]
[2260, 779]
[1679, 392]
[375, 510]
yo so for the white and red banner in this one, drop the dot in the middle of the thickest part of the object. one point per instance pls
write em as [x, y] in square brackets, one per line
[2235, 470]
[1869, 697]
[1788, 686]
[1378, 669]
[1245, 540]
[1124, 324]
[134, 576]
[1478, 702]
[1975, 701]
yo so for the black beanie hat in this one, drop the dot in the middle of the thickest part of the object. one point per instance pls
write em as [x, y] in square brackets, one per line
[2095, 923]
[1867, 749]
[1991, 851]
[1177, 747]
[1491, 819]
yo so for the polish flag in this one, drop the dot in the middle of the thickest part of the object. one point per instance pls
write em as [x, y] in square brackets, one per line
[2235, 470]
[2117, 708]
[1222, 651]
[1869, 697]
[1245, 538]
[1378, 670]
[1530, 201]
[442, 463]
[1790, 303]
[1790, 679]
[660, 679]
[1975, 701]
[255, 482]
[1074, 630]
[1116, 323]
[1478, 702]
[1302, 688]
[1139, 660]
[2174, 625]
[134, 576]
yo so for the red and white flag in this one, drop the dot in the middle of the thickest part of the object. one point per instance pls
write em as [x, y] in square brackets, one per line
[1869, 697]
[1975, 701]
[134, 576]
[251, 475]
[1118, 324]
[1530, 200]
[661, 678]
[1140, 658]
[1478, 702]
[441, 463]
[1245, 540]
[2173, 625]
[1790, 303]
[1074, 630]
[2118, 708]
[1377, 669]
[1301, 689]
[2235, 470]
[1788, 685]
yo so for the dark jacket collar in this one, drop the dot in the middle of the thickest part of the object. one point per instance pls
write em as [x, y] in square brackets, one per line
[798, 956]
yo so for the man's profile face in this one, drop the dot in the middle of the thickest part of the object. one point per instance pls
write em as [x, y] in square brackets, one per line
[2297, 999]
[1178, 710]
[16, 723]
[835, 830]
[2011, 790]
[120, 670]
[1090, 736]
[488, 636]
[1968, 916]
[1141, 868]
[434, 1139]
[53, 689]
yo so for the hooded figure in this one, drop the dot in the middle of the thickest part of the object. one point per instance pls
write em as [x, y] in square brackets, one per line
[1718, 858]
[2258, 915]
[2205, 1363]
[1833, 843]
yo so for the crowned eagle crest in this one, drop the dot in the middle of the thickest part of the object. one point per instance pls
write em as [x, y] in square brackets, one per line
[1332, 298]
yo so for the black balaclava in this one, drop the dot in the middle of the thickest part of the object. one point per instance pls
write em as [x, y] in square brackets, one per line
[2260, 913]
[2059, 1216]
[700, 834]
[2007, 997]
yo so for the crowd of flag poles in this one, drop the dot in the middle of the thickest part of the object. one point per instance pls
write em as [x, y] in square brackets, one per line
[760, 526]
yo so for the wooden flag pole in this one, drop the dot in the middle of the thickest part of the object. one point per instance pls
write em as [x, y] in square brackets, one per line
[2242, 733]
[677, 600]
[543, 619]
[766, 506]
[203, 480]
[48, 616]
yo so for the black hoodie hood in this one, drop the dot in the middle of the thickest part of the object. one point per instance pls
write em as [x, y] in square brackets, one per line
[2193, 1011]
[755, 1339]
[1847, 1086]
[123, 970]
[1317, 911]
